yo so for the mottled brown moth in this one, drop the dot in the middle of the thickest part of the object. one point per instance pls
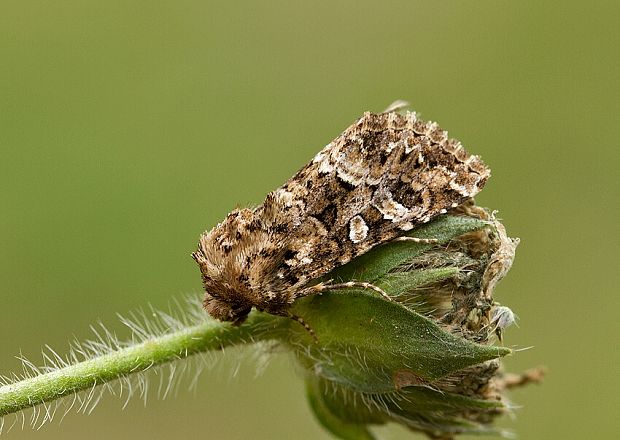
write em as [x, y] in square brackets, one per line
[383, 176]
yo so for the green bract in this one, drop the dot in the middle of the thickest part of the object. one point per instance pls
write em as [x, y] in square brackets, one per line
[423, 359]
[376, 346]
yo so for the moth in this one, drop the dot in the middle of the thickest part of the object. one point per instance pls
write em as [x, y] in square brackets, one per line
[384, 175]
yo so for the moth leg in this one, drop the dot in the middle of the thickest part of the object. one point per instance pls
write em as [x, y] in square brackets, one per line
[320, 288]
[417, 240]
[305, 325]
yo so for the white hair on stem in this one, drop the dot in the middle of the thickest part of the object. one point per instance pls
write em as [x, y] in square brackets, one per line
[78, 381]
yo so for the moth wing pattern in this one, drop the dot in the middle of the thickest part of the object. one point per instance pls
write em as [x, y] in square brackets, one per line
[382, 176]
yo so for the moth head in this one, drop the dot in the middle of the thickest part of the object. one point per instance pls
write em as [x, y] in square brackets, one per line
[225, 256]
[226, 297]
[225, 311]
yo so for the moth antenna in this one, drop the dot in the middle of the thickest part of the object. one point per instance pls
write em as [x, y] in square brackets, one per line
[417, 240]
[399, 104]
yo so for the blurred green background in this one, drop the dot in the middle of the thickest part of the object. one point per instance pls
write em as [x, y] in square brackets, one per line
[129, 127]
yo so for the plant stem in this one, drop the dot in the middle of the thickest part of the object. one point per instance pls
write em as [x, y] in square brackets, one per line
[157, 350]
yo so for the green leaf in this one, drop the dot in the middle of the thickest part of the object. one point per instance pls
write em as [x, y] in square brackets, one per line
[381, 259]
[427, 399]
[346, 413]
[338, 422]
[398, 283]
[374, 346]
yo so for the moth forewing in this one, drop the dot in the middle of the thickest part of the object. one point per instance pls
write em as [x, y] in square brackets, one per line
[384, 175]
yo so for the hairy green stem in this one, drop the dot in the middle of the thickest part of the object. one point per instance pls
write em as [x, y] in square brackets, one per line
[210, 335]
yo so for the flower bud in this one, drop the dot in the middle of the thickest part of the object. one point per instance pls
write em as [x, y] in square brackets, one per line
[424, 359]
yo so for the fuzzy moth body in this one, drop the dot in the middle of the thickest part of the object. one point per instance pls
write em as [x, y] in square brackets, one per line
[384, 175]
